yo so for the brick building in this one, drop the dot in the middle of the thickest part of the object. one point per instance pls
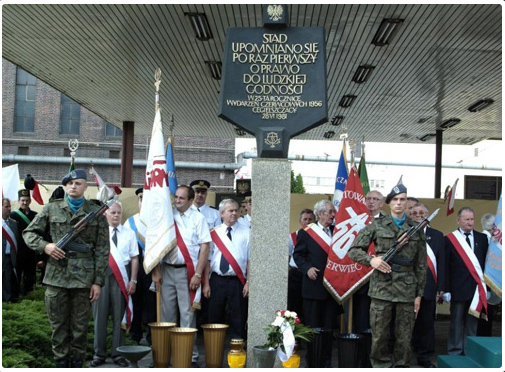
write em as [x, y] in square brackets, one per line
[38, 121]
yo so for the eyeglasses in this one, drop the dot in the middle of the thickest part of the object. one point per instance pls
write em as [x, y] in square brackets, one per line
[421, 213]
[372, 198]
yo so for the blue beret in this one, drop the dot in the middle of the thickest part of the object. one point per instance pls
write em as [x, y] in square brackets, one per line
[75, 174]
[398, 189]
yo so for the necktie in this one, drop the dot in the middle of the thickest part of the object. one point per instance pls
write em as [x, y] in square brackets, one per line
[224, 265]
[114, 240]
[114, 236]
[327, 231]
[468, 239]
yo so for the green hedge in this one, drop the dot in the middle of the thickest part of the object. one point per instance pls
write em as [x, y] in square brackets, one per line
[26, 333]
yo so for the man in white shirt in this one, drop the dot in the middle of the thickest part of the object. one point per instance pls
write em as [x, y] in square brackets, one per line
[117, 289]
[374, 202]
[211, 214]
[228, 266]
[180, 272]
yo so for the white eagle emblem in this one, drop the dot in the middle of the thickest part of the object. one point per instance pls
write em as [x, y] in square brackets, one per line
[275, 12]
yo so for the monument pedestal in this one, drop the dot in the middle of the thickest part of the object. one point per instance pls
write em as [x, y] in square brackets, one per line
[268, 277]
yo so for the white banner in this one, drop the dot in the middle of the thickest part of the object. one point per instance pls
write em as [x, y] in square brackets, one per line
[10, 182]
[156, 211]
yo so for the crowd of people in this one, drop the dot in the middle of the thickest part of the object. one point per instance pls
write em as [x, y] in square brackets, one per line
[101, 273]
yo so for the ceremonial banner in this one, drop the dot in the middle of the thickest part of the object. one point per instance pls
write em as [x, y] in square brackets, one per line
[10, 182]
[341, 179]
[342, 275]
[156, 211]
[172, 179]
[493, 266]
[105, 192]
[451, 197]
[35, 193]
[363, 175]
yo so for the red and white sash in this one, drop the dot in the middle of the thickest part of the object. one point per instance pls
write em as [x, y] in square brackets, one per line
[225, 245]
[294, 237]
[321, 238]
[10, 238]
[432, 262]
[472, 263]
[195, 296]
[118, 268]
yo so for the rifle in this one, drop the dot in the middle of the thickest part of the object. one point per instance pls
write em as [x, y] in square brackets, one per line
[66, 243]
[405, 237]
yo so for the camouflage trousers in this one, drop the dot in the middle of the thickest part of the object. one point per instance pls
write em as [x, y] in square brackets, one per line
[383, 316]
[69, 311]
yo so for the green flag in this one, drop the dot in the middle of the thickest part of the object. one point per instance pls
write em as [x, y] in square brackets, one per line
[72, 164]
[363, 176]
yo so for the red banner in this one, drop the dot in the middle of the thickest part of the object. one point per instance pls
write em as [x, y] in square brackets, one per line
[343, 276]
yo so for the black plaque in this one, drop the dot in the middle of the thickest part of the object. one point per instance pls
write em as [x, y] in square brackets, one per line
[274, 84]
[483, 187]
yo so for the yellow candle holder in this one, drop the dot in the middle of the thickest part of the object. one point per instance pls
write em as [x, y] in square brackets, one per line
[236, 355]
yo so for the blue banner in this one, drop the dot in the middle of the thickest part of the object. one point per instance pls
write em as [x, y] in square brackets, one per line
[493, 267]
[341, 179]
[172, 179]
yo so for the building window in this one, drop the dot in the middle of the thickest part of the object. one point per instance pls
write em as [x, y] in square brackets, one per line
[23, 150]
[112, 131]
[114, 154]
[24, 111]
[70, 116]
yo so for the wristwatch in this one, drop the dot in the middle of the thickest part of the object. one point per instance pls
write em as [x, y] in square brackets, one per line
[198, 276]
[133, 281]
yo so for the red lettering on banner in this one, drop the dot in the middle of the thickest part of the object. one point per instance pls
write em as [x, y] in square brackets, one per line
[158, 177]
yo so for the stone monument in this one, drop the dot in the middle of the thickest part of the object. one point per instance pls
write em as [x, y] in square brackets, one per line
[274, 87]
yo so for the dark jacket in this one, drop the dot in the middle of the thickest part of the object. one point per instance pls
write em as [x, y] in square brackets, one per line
[461, 284]
[308, 253]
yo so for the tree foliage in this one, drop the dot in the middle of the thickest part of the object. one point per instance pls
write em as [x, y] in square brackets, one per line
[297, 183]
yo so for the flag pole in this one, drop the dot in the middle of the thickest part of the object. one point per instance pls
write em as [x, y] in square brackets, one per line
[157, 82]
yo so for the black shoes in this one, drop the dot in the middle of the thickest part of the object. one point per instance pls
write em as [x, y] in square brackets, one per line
[121, 362]
[96, 362]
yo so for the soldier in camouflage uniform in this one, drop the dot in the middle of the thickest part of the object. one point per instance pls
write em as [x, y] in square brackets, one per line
[72, 287]
[397, 287]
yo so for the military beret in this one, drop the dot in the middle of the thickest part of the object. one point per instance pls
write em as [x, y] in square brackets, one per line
[398, 189]
[23, 192]
[200, 184]
[74, 175]
[139, 191]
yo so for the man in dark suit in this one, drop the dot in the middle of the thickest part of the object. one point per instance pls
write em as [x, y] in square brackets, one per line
[466, 254]
[319, 308]
[423, 337]
[10, 239]
[27, 258]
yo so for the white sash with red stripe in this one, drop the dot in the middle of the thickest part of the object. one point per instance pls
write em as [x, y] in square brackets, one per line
[118, 268]
[10, 238]
[321, 238]
[195, 296]
[225, 245]
[472, 263]
[432, 262]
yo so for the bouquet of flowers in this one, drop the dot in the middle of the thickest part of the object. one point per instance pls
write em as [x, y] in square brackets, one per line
[283, 332]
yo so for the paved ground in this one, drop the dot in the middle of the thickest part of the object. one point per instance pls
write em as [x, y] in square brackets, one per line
[441, 330]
